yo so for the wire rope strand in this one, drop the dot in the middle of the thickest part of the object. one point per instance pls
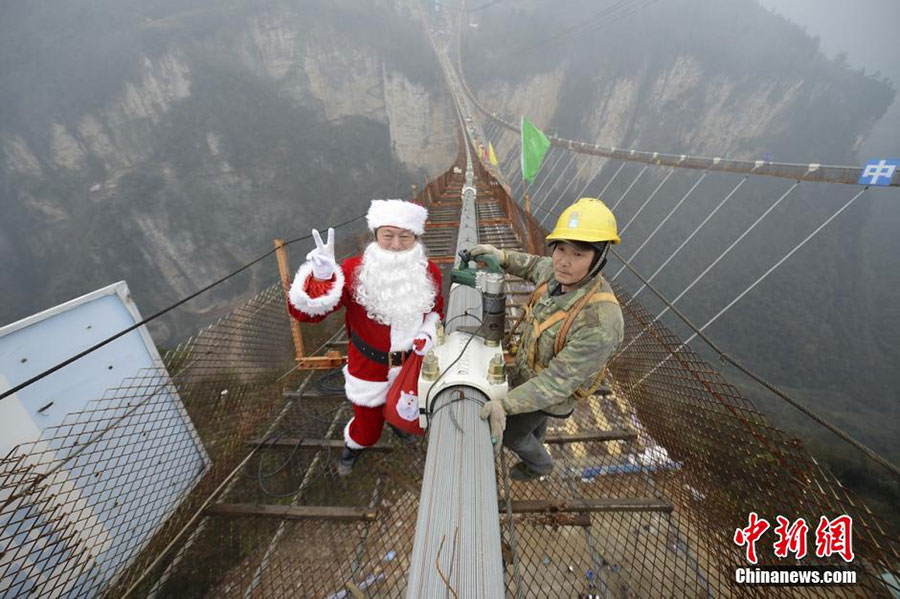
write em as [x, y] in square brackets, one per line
[539, 204]
[546, 177]
[724, 253]
[646, 166]
[549, 212]
[647, 201]
[693, 233]
[664, 221]
[698, 332]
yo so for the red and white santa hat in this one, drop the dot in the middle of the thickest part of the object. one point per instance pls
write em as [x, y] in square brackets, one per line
[397, 213]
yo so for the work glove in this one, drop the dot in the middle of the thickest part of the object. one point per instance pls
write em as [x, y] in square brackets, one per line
[494, 413]
[322, 258]
[423, 343]
[485, 248]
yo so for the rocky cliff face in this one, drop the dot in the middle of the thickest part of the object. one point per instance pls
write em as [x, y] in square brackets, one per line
[676, 107]
[685, 76]
[224, 131]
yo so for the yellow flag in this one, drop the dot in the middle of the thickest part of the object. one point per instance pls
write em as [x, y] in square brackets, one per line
[491, 155]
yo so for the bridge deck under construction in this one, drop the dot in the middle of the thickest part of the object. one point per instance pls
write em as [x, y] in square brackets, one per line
[618, 517]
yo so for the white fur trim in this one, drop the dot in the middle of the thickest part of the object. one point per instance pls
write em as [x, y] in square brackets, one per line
[427, 332]
[315, 306]
[397, 213]
[402, 337]
[429, 325]
[368, 394]
[348, 440]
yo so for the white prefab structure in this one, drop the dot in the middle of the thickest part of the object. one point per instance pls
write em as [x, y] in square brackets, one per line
[97, 437]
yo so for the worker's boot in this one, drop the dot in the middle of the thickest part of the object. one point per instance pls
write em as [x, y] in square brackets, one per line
[348, 459]
[522, 471]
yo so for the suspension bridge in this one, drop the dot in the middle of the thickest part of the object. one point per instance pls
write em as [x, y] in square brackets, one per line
[654, 472]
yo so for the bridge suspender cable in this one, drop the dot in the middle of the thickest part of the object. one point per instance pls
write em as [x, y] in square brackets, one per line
[698, 332]
[539, 202]
[664, 221]
[537, 191]
[723, 356]
[647, 201]
[636, 179]
[722, 255]
[109, 340]
[560, 196]
[691, 236]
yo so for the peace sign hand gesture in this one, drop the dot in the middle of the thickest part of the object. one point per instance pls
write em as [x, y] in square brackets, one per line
[322, 258]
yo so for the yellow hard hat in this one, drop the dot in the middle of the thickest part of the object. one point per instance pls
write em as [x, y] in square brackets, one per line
[587, 220]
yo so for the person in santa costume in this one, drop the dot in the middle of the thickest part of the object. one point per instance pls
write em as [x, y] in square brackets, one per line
[392, 296]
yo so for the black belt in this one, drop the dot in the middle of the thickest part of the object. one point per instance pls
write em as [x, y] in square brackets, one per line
[376, 355]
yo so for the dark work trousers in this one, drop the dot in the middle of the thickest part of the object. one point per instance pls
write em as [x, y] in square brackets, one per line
[524, 435]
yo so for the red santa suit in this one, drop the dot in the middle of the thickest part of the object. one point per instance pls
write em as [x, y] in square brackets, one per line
[366, 380]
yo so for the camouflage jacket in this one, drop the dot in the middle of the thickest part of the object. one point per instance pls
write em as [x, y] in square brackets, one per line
[595, 334]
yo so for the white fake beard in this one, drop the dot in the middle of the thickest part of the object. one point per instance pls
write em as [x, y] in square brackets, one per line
[397, 290]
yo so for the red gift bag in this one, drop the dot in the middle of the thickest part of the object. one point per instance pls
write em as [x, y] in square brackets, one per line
[401, 408]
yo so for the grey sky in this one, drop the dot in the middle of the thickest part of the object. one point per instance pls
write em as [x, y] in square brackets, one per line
[866, 30]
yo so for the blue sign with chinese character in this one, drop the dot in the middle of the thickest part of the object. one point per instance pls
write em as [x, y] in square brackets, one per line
[879, 171]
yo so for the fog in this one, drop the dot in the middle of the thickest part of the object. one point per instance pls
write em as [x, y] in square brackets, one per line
[866, 31]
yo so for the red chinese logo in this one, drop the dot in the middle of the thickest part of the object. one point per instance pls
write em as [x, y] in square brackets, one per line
[832, 537]
[835, 536]
[748, 536]
[791, 539]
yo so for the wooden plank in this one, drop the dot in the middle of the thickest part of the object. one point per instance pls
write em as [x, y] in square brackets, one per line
[582, 519]
[289, 512]
[355, 591]
[635, 504]
[333, 359]
[311, 394]
[583, 437]
[442, 259]
[284, 272]
[602, 423]
[312, 443]
[441, 225]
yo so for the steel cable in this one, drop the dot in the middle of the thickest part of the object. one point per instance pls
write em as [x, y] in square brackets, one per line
[698, 332]
[664, 221]
[180, 302]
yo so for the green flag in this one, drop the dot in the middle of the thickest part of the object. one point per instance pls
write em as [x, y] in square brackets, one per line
[534, 145]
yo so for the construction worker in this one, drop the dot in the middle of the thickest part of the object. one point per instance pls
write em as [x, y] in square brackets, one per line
[572, 326]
